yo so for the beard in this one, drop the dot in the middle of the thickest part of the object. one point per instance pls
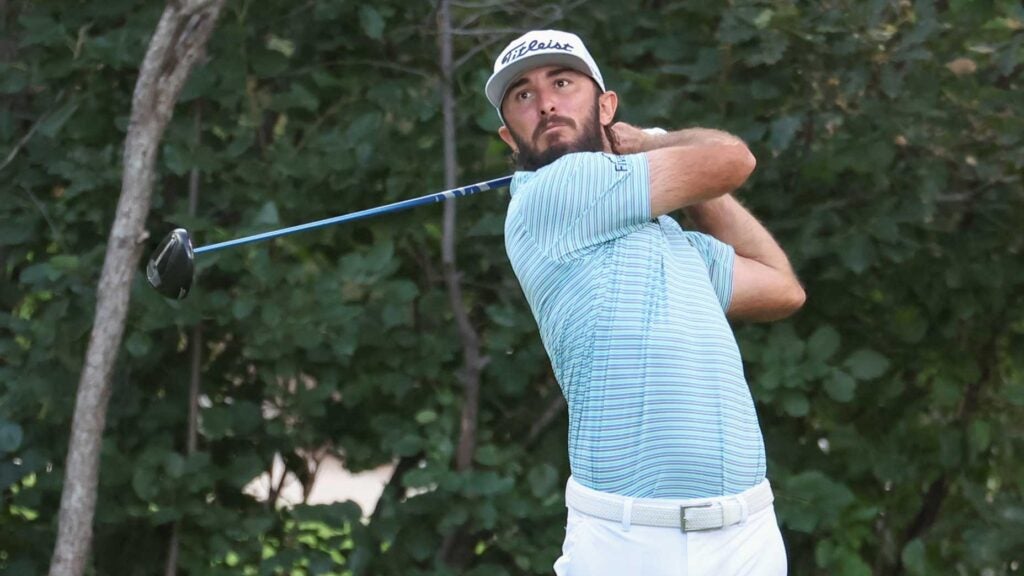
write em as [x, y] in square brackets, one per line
[530, 159]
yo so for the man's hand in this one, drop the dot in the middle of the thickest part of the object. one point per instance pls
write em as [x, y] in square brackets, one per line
[629, 139]
[632, 140]
[764, 286]
[697, 176]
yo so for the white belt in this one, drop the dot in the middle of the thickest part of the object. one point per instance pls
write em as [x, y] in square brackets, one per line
[702, 514]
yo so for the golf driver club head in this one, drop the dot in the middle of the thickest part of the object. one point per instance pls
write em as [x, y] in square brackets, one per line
[171, 267]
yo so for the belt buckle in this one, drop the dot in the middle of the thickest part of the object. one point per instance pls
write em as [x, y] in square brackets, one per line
[682, 517]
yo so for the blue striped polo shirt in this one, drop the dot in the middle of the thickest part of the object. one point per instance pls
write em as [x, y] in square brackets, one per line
[631, 311]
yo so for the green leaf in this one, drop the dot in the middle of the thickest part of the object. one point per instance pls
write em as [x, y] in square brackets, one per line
[1014, 391]
[282, 45]
[979, 435]
[12, 80]
[245, 417]
[809, 500]
[257, 525]
[371, 21]
[823, 343]
[53, 123]
[242, 308]
[858, 253]
[909, 324]
[764, 18]
[487, 455]
[144, 483]
[267, 216]
[866, 364]
[783, 131]
[64, 262]
[10, 474]
[39, 274]
[708, 63]
[542, 479]
[795, 403]
[243, 468]
[840, 386]
[267, 63]
[215, 422]
[138, 344]
[488, 483]
[10, 436]
[16, 231]
[174, 464]
[408, 445]
[327, 513]
[913, 557]
[951, 447]
[426, 416]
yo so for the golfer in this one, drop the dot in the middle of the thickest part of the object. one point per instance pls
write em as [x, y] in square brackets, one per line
[667, 458]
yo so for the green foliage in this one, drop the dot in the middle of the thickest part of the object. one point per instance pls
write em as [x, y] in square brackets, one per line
[889, 139]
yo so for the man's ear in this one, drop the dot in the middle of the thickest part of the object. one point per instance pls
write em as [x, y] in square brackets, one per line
[608, 103]
[507, 137]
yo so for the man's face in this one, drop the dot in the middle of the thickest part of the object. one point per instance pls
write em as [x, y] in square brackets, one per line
[552, 111]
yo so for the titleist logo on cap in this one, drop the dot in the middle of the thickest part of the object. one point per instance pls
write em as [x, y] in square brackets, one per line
[522, 49]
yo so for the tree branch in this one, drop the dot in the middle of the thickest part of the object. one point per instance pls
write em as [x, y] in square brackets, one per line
[361, 62]
[498, 34]
[473, 363]
[176, 45]
[553, 410]
[937, 492]
[392, 492]
[485, 31]
[31, 131]
[42, 210]
[476, 50]
[195, 376]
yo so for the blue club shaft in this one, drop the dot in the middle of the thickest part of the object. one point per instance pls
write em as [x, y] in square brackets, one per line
[395, 207]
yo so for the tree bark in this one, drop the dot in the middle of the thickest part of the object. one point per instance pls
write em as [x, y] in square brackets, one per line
[472, 361]
[195, 374]
[177, 43]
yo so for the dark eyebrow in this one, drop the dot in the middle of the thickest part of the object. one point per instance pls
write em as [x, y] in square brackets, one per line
[515, 85]
[550, 73]
[562, 70]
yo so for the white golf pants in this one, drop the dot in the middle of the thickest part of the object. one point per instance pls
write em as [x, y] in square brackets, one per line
[603, 547]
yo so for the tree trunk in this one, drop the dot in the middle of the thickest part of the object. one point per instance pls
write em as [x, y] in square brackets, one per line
[195, 375]
[176, 44]
[472, 361]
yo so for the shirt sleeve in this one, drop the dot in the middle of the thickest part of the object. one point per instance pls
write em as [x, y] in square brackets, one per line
[585, 199]
[719, 258]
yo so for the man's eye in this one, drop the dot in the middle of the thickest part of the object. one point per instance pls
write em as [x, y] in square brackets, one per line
[561, 82]
[524, 95]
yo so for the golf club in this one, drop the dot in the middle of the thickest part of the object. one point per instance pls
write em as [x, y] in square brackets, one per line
[171, 267]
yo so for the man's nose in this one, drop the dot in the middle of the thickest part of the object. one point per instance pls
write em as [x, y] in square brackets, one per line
[547, 104]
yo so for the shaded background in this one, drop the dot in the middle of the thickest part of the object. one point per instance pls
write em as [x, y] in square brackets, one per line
[889, 139]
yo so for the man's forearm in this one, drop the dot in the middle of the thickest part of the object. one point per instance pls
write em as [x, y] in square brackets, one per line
[628, 139]
[690, 137]
[724, 217]
[727, 220]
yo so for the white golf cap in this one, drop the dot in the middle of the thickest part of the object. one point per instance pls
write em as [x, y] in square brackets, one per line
[533, 50]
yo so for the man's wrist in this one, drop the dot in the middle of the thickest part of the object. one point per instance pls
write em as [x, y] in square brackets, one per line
[695, 137]
[708, 206]
[653, 139]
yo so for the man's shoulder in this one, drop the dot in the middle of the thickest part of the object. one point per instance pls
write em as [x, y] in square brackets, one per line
[595, 160]
[571, 167]
[675, 230]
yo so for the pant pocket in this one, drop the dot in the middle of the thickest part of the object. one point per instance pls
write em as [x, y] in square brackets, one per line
[779, 563]
[574, 525]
